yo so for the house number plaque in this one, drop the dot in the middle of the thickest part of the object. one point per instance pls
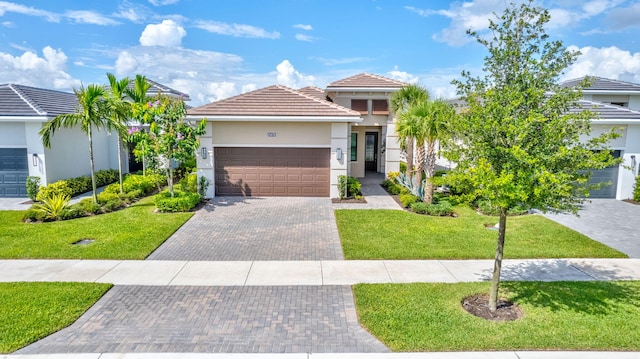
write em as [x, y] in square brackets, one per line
[272, 134]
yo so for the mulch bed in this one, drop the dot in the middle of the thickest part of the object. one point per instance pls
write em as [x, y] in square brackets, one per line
[348, 200]
[478, 305]
[631, 201]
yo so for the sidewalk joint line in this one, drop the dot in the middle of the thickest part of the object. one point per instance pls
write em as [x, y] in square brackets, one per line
[248, 273]
[107, 272]
[178, 272]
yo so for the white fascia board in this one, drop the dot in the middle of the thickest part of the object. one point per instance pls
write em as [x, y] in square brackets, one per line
[24, 119]
[625, 121]
[306, 119]
[611, 92]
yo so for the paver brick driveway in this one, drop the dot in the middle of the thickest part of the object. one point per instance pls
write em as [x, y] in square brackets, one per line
[247, 229]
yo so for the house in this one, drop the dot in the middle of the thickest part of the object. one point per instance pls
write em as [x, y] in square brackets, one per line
[617, 104]
[277, 141]
[23, 111]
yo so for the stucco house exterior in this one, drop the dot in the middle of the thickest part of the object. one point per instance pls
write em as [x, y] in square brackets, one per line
[277, 141]
[617, 104]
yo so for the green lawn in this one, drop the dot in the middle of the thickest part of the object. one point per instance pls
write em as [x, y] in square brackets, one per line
[557, 316]
[131, 233]
[391, 234]
[31, 311]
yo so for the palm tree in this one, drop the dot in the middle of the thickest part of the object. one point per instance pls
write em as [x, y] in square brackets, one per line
[428, 123]
[119, 112]
[89, 116]
[400, 101]
[138, 95]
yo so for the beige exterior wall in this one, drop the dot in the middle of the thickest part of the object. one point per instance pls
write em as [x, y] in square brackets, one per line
[261, 134]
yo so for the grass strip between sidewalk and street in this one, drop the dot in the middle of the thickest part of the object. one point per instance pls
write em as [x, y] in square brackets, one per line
[130, 233]
[31, 311]
[392, 234]
[557, 316]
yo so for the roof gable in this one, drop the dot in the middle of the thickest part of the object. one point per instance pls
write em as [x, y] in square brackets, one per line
[314, 92]
[19, 100]
[273, 101]
[603, 84]
[607, 112]
[366, 80]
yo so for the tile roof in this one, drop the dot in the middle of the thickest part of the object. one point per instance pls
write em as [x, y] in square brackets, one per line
[607, 111]
[157, 88]
[603, 84]
[19, 100]
[313, 91]
[366, 80]
[273, 101]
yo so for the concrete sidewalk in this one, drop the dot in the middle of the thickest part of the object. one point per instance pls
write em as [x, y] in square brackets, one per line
[312, 273]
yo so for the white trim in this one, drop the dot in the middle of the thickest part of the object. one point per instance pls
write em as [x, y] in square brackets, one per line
[615, 122]
[363, 89]
[308, 119]
[612, 92]
[24, 119]
[289, 145]
[15, 146]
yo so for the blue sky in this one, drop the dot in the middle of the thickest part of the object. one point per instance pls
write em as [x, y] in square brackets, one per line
[214, 49]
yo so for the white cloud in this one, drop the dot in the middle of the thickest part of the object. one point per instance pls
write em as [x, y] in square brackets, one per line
[33, 70]
[167, 33]
[289, 76]
[126, 63]
[249, 88]
[162, 2]
[133, 12]
[346, 60]
[303, 27]
[609, 62]
[8, 24]
[90, 17]
[403, 76]
[6, 6]
[303, 37]
[622, 18]
[237, 30]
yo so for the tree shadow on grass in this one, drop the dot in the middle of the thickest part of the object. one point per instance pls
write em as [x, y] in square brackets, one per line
[571, 285]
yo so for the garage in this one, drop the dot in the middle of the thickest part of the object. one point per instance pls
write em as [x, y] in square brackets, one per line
[264, 171]
[609, 174]
[13, 172]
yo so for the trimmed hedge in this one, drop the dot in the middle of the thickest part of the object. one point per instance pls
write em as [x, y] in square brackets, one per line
[180, 202]
[443, 208]
[78, 185]
[636, 190]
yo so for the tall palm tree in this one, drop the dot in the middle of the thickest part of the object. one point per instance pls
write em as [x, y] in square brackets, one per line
[400, 102]
[138, 95]
[89, 116]
[119, 113]
[428, 122]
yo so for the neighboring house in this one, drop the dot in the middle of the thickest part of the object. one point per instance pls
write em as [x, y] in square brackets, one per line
[277, 141]
[617, 104]
[23, 111]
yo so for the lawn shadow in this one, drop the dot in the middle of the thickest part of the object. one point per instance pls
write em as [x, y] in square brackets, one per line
[574, 285]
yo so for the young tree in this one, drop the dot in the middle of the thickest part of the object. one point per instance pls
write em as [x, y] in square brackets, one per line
[119, 113]
[169, 136]
[520, 137]
[400, 102]
[90, 116]
[139, 97]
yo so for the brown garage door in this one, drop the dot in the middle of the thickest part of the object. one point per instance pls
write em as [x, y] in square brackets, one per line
[255, 171]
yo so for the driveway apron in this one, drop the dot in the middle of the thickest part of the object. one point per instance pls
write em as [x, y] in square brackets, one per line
[257, 319]
[609, 221]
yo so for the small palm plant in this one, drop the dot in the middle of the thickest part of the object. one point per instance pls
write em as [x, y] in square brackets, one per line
[53, 206]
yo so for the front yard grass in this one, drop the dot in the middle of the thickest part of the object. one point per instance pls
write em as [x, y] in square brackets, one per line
[392, 234]
[557, 316]
[31, 311]
[131, 233]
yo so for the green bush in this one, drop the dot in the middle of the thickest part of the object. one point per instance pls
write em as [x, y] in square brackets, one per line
[181, 202]
[72, 212]
[53, 206]
[60, 188]
[87, 205]
[403, 167]
[79, 185]
[104, 197]
[105, 177]
[407, 199]
[636, 190]
[33, 215]
[443, 208]
[33, 185]
[348, 187]
[190, 183]
[134, 182]
[203, 185]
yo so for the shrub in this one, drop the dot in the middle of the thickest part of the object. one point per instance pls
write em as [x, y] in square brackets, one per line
[348, 187]
[443, 208]
[72, 212]
[33, 185]
[636, 190]
[190, 183]
[60, 188]
[203, 185]
[53, 206]
[403, 167]
[181, 202]
[393, 175]
[87, 205]
[134, 182]
[79, 185]
[105, 177]
[105, 197]
[33, 215]
[407, 199]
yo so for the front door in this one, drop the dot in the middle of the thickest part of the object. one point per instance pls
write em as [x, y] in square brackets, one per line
[371, 152]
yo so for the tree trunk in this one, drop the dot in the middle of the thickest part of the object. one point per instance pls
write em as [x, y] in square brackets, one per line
[497, 266]
[170, 176]
[420, 162]
[429, 169]
[409, 171]
[120, 163]
[93, 174]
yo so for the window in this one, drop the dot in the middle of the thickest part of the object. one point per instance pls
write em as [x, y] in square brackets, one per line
[380, 107]
[354, 147]
[621, 104]
[360, 106]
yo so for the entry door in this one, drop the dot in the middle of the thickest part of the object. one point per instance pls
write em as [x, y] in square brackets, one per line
[371, 151]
